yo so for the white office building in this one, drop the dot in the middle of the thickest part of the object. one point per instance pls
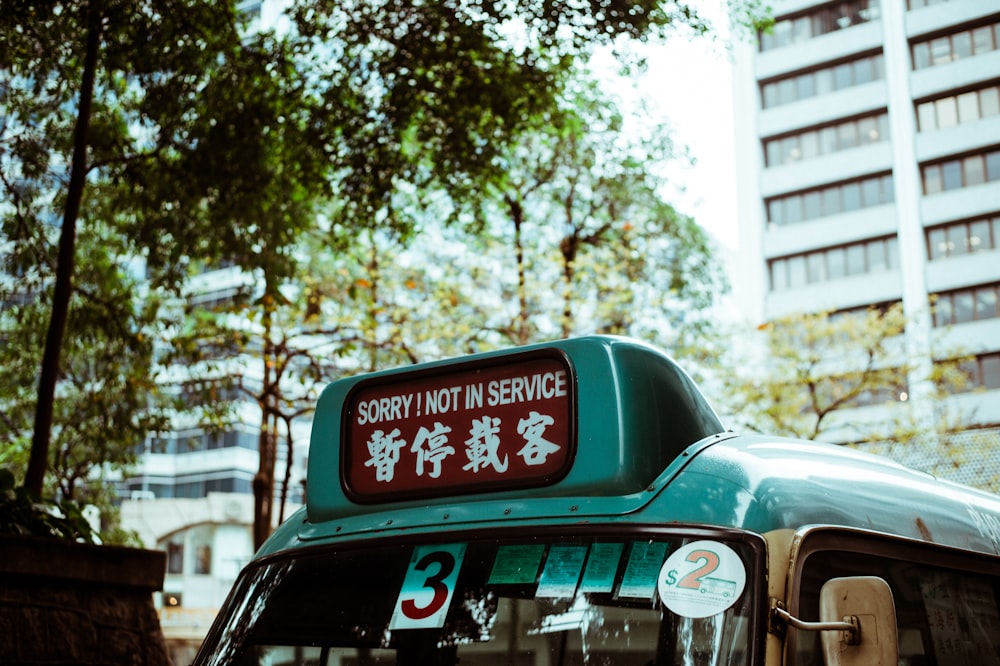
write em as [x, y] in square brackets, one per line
[868, 167]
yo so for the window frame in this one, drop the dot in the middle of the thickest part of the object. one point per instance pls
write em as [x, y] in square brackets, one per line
[791, 209]
[843, 75]
[229, 632]
[957, 238]
[967, 42]
[816, 22]
[811, 541]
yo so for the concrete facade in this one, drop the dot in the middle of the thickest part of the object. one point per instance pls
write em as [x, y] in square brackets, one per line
[207, 541]
[868, 169]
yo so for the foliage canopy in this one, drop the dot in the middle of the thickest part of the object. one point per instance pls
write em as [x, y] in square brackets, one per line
[141, 142]
[818, 369]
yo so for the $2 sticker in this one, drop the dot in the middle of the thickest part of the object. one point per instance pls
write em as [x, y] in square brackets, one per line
[701, 579]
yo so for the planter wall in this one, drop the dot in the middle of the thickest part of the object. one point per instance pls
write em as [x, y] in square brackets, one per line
[67, 603]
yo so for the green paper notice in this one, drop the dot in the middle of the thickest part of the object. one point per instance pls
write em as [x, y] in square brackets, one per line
[602, 565]
[561, 572]
[516, 564]
[644, 562]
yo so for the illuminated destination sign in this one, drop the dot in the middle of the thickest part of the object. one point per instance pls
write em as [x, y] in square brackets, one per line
[503, 423]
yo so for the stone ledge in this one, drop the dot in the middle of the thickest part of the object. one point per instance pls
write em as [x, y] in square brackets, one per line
[111, 565]
[68, 603]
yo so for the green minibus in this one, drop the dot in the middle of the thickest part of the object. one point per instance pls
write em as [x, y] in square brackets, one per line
[580, 502]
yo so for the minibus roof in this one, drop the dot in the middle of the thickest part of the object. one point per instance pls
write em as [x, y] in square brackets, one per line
[588, 430]
[597, 416]
[763, 483]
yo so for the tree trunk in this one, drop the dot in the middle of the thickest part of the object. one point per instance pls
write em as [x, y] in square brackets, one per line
[263, 482]
[373, 276]
[568, 248]
[521, 329]
[49, 374]
[289, 453]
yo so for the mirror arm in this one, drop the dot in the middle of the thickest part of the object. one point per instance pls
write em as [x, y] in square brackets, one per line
[851, 625]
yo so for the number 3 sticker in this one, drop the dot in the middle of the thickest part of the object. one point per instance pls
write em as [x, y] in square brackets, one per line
[701, 579]
[428, 587]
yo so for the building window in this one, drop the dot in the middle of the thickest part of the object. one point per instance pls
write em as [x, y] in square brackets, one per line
[917, 4]
[982, 371]
[944, 49]
[958, 238]
[989, 371]
[224, 300]
[209, 265]
[956, 173]
[880, 395]
[821, 81]
[967, 107]
[203, 559]
[830, 200]
[827, 139]
[197, 485]
[818, 21]
[175, 557]
[241, 439]
[965, 305]
[16, 298]
[210, 391]
[872, 256]
[862, 311]
[144, 487]
[203, 441]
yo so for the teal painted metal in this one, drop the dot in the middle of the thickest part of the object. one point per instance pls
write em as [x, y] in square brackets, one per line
[651, 451]
[764, 483]
[636, 411]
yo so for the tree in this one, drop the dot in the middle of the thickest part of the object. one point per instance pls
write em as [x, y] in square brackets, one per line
[623, 248]
[173, 123]
[424, 97]
[89, 27]
[580, 197]
[815, 370]
[107, 397]
[435, 92]
[171, 130]
[107, 384]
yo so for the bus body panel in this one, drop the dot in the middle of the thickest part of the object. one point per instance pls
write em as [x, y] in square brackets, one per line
[646, 413]
[747, 482]
[788, 484]
[647, 456]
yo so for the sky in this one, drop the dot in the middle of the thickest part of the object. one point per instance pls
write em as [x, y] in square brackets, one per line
[689, 84]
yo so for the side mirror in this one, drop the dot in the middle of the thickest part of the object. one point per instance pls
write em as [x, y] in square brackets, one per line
[866, 603]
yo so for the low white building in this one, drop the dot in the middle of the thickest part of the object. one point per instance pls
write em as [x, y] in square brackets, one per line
[208, 540]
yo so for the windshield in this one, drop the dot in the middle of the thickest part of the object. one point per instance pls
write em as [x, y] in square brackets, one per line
[636, 598]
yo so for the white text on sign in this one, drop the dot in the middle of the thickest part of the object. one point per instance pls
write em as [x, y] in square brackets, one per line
[513, 390]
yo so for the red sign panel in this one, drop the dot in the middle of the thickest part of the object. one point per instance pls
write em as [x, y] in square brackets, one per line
[498, 424]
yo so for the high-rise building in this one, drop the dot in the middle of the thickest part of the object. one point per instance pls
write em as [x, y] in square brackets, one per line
[868, 168]
[191, 493]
